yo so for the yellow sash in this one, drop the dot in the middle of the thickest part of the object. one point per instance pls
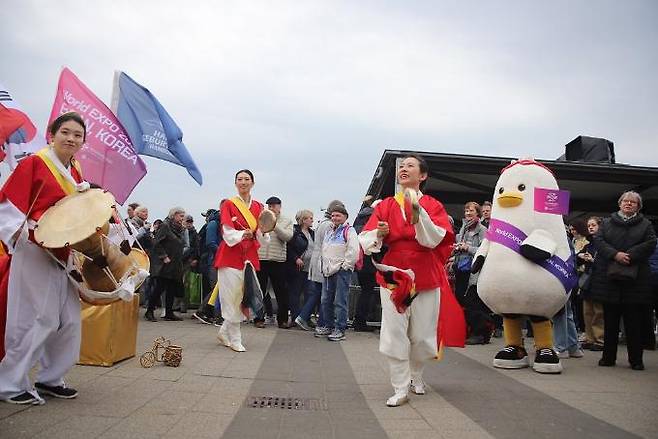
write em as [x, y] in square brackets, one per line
[399, 197]
[66, 185]
[214, 296]
[246, 213]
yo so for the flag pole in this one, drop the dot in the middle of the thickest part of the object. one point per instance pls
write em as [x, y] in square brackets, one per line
[114, 102]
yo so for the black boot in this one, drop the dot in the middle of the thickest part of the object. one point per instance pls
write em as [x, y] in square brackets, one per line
[362, 327]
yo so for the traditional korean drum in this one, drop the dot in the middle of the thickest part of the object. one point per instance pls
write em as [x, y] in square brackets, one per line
[81, 222]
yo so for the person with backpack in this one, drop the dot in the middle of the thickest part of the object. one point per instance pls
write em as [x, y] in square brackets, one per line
[209, 238]
[340, 251]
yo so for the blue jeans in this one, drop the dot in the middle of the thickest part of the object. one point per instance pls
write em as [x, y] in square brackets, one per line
[311, 300]
[565, 336]
[335, 293]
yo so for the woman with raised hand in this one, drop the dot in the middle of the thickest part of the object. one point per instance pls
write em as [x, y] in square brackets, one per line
[237, 257]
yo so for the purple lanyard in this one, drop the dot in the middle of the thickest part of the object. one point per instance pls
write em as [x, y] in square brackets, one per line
[509, 236]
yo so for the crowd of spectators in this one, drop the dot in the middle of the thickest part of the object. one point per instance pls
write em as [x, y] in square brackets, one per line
[310, 268]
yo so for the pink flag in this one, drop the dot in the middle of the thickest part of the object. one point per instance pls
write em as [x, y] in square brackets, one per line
[107, 157]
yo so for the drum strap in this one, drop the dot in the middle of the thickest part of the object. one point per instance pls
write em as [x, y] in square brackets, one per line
[64, 182]
[246, 213]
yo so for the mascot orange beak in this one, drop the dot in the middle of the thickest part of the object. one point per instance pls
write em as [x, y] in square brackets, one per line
[510, 199]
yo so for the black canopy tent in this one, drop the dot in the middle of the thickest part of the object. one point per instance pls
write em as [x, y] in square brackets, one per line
[456, 179]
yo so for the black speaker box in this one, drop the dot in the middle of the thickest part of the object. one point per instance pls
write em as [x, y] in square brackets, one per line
[590, 149]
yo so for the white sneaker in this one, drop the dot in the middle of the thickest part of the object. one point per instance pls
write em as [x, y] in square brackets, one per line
[563, 354]
[399, 398]
[417, 387]
[578, 353]
[223, 339]
[237, 347]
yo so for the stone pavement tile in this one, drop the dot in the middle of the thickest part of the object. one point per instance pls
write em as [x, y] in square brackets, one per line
[467, 434]
[343, 396]
[165, 373]
[352, 416]
[102, 386]
[7, 410]
[123, 401]
[218, 403]
[348, 405]
[301, 366]
[173, 401]
[405, 425]
[414, 434]
[200, 425]
[212, 368]
[29, 422]
[63, 434]
[370, 429]
[404, 412]
[129, 369]
[305, 421]
[80, 426]
[111, 408]
[377, 392]
[504, 406]
[194, 383]
[115, 434]
[244, 367]
[232, 384]
[147, 422]
[311, 433]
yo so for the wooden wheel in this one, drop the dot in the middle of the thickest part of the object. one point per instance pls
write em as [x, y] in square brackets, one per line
[147, 359]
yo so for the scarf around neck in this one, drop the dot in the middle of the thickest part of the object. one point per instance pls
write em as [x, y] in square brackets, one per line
[175, 227]
[626, 217]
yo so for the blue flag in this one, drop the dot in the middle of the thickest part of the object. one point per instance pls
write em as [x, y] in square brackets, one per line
[151, 129]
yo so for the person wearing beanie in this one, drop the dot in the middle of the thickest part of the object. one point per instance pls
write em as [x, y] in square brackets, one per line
[315, 266]
[340, 251]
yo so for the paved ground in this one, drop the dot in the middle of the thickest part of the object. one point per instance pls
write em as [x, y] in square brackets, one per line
[339, 390]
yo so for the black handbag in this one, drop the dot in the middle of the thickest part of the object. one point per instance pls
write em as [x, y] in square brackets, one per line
[617, 271]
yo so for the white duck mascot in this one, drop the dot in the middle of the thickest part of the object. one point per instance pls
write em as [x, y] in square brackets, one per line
[525, 263]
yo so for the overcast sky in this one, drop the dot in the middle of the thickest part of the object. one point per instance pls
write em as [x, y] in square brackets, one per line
[308, 94]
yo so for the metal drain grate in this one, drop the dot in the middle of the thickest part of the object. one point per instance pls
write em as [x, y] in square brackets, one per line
[284, 402]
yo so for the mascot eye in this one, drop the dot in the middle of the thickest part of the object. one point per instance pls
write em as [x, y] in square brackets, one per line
[501, 190]
[522, 187]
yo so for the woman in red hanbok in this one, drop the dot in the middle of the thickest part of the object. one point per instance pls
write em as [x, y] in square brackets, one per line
[237, 256]
[41, 303]
[413, 281]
